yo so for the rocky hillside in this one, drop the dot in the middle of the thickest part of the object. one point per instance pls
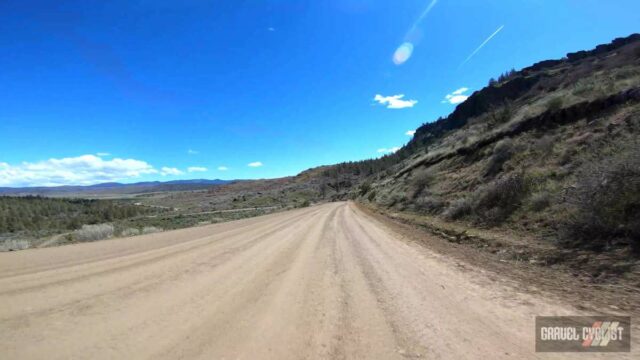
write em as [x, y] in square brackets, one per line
[550, 152]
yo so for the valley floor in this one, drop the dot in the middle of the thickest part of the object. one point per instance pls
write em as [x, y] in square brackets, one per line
[329, 281]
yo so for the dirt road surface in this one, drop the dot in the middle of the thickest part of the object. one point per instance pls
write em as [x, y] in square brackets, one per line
[325, 282]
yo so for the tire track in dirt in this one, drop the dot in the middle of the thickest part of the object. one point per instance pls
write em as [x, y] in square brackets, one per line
[326, 282]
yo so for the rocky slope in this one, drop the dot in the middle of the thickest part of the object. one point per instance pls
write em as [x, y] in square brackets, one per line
[550, 153]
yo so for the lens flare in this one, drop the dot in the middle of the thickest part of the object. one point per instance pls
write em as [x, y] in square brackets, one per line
[403, 53]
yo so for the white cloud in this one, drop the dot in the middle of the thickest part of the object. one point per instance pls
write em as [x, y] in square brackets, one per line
[394, 101]
[457, 96]
[192, 152]
[460, 91]
[223, 168]
[101, 154]
[255, 164]
[80, 170]
[196, 169]
[410, 132]
[389, 150]
[164, 171]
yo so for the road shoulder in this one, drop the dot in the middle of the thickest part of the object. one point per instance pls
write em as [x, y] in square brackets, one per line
[556, 282]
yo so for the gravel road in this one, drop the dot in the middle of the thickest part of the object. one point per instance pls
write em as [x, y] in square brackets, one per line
[324, 282]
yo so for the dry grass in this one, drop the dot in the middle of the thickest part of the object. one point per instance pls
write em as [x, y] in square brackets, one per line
[13, 245]
[94, 232]
[129, 232]
[151, 230]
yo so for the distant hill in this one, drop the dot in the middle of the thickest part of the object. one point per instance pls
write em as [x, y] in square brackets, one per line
[115, 188]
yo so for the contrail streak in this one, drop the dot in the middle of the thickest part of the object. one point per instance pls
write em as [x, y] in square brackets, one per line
[422, 16]
[481, 45]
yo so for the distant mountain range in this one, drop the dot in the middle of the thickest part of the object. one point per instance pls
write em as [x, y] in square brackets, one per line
[115, 188]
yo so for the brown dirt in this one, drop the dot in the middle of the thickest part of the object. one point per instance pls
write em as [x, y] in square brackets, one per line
[328, 281]
[524, 261]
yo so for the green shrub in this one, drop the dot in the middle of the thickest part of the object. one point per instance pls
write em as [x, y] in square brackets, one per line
[36, 214]
[555, 104]
[420, 180]
[500, 115]
[458, 209]
[364, 188]
[605, 204]
[584, 87]
[397, 200]
[544, 146]
[430, 205]
[567, 156]
[495, 201]
[540, 201]
[502, 152]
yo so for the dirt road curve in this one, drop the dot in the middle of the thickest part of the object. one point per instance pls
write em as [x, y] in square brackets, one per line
[325, 282]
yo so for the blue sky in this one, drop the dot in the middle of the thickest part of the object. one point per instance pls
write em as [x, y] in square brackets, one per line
[96, 91]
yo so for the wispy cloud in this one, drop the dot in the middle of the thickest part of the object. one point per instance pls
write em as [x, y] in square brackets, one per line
[192, 152]
[164, 171]
[410, 132]
[394, 101]
[223, 168]
[80, 170]
[389, 150]
[271, 29]
[255, 164]
[103, 154]
[457, 96]
[481, 45]
[196, 169]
